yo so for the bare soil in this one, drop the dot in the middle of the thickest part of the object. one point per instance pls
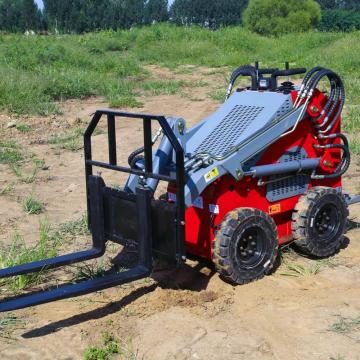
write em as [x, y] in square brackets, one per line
[183, 314]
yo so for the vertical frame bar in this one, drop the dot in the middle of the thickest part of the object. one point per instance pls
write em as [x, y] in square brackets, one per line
[143, 203]
[180, 188]
[112, 139]
[88, 156]
[148, 145]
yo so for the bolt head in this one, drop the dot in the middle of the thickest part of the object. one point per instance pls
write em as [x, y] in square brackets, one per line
[314, 109]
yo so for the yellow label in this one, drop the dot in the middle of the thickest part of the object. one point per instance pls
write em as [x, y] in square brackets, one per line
[211, 174]
[274, 209]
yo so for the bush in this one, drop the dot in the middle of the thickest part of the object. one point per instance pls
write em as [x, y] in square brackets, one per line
[339, 20]
[269, 17]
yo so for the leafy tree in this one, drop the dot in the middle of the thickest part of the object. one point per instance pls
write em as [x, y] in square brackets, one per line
[156, 11]
[339, 4]
[339, 20]
[208, 13]
[19, 15]
[90, 15]
[132, 13]
[269, 17]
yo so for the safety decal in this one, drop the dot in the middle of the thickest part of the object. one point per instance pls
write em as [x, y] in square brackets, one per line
[274, 209]
[212, 174]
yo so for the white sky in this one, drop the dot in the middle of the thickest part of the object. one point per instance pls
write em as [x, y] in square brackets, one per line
[39, 3]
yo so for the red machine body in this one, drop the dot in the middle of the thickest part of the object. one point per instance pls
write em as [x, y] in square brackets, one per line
[227, 194]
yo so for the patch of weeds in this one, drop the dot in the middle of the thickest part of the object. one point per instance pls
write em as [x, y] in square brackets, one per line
[8, 324]
[74, 228]
[27, 179]
[217, 95]
[109, 349]
[7, 190]
[32, 206]
[345, 325]
[162, 87]
[189, 96]
[10, 153]
[331, 262]
[196, 83]
[125, 101]
[337, 357]
[351, 121]
[72, 141]
[117, 187]
[294, 267]
[88, 271]
[23, 128]
[300, 270]
[19, 253]
[185, 70]
[355, 146]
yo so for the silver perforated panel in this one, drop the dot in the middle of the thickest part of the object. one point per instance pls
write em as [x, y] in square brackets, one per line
[285, 108]
[229, 129]
[291, 186]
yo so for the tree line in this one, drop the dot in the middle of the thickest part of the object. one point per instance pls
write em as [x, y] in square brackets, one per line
[66, 16]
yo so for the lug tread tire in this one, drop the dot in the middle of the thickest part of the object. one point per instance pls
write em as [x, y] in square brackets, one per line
[301, 220]
[224, 243]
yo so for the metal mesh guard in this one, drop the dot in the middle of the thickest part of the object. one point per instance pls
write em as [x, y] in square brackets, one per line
[292, 186]
[229, 130]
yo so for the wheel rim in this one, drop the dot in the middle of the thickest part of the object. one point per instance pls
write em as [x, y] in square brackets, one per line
[251, 247]
[327, 222]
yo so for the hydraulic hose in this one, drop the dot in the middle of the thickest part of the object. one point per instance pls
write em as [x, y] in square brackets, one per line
[246, 70]
[344, 165]
[135, 155]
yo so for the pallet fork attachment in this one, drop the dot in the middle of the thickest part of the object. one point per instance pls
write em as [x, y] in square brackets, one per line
[104, 202]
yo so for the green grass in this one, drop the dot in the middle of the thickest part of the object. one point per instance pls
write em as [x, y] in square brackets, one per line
[32, 206]
[93, 270]
[37, 72]
[6, 190]
[355, 145]
[293, 266]
[23, 128]
[351, 121]
[13, 155]
[8, 324]
[48, 246]
[19, 253]
[72, 141]
[218, 95]
[110, 349]
[10, 153]
[157, 87]
[29, 178]
[74, 228]
[345, 325]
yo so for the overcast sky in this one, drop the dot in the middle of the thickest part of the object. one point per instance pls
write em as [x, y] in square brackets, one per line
[40, 3]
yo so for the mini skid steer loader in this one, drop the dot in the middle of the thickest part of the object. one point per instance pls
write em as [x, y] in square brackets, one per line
[262, 171]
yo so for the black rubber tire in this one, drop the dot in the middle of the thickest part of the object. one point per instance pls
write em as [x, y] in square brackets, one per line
[232, 242]
[319, 222]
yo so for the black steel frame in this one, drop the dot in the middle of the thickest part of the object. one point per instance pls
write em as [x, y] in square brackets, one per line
[94, 189]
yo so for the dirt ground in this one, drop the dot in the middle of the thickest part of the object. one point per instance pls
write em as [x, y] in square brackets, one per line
[185, 314]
